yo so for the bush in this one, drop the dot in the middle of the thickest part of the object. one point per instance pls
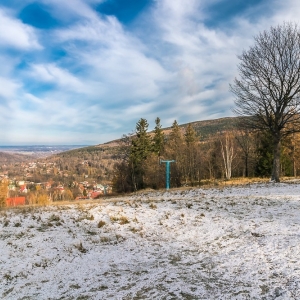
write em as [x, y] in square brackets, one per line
[101, 224]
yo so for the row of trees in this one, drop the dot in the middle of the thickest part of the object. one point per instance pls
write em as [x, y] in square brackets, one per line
[231, 153]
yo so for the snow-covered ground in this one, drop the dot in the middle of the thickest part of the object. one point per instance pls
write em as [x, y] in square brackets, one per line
[228, 243]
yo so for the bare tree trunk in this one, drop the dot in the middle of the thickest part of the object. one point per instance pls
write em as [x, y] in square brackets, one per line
[294, 161]
[276, 160]
[246, 166]
[227, 154]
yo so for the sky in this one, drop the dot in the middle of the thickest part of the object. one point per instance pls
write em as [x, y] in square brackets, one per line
[83, 72]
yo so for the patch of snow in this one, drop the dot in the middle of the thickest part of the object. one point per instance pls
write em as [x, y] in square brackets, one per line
[225, 243]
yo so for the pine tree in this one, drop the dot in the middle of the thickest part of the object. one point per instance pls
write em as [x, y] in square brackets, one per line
[190, 135]
[176, 134]
[140, 150]
[154, 173]
[265, 155]
[175, 150]
[141, 144]
[158, 138]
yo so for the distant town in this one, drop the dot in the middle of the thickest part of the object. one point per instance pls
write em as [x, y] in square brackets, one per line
[29, 191]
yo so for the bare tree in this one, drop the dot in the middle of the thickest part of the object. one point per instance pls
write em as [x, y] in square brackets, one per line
[268, 91]
[246, 144]
[227, 154]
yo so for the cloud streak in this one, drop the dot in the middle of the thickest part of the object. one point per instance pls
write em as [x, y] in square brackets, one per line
[90, 77]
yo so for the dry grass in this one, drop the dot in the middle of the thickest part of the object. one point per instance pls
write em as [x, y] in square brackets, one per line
[120, 219]
[80, 248]
[123, 220]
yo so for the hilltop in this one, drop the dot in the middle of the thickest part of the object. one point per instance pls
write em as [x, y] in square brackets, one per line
[205, 129]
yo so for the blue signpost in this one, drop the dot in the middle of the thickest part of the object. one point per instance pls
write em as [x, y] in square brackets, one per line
[167, 162]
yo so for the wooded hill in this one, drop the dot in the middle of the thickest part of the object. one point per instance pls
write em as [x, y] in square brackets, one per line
[97, 162]
[204, 150]
[10, 158]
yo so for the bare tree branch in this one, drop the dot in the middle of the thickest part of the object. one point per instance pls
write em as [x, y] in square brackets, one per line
[268, 90]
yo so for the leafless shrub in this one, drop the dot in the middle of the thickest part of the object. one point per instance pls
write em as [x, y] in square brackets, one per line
[101, 224]
[152, 205]
[54, 218]
[123, 220]
[80, 248]
[104, 239]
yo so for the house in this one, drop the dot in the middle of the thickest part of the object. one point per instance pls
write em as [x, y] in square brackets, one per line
[23, 189]
[96, 194]
[12, 187]
[15, 201]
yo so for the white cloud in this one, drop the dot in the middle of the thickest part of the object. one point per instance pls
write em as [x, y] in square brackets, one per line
[72, 9]
[16, 34]
[8, 88]
[174, 67]
[115, 59]
[58, 76]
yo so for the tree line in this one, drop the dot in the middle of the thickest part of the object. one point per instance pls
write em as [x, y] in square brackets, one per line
[234, 153]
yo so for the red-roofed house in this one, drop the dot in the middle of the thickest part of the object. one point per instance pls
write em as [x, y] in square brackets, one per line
[15, 201]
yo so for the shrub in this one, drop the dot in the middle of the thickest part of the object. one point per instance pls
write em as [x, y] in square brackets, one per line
[152, 205]
[124, 220]
[81, 248]
[101, 224]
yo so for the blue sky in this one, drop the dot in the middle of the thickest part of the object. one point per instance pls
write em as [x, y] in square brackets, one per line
[85, 71]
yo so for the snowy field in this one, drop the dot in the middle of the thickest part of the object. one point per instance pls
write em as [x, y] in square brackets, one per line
[228, 243]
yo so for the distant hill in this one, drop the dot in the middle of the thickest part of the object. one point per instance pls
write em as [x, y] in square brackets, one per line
[97, 161]
[209, 128]
[205, 129]
[12, 158]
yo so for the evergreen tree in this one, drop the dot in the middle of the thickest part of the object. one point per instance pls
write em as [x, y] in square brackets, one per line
[190, 135]
[141, 144]
[176, 134]
[265, 155]
[175, 150]
[140, 150]
[158, 138]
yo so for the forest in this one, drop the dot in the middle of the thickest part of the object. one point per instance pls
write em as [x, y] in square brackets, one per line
[228, 152]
